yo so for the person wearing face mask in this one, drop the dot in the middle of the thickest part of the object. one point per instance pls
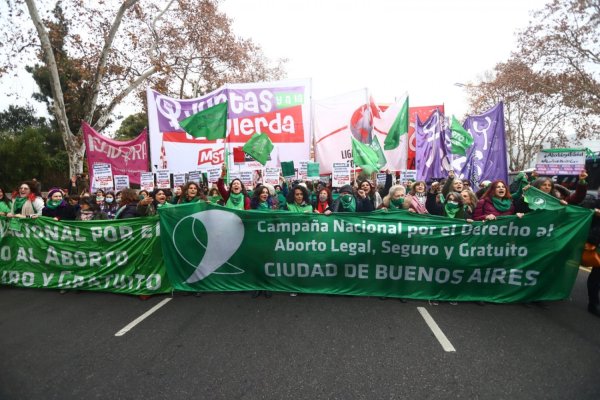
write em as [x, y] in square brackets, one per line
[57, 208]
[261, 199]
[109, 205]
[348, 202]
[453, 206]
[236, 197]
[394, 201]
[324, 201]
[495, 202]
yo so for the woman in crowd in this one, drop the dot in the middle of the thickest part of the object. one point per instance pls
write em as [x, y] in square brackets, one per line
[150, 205]
[469, 202]
[546, 185]
[236, 197]
[453, 206]
[324, 202]
[57, 208]
[452, 184]
[191, 193]
[27, 202]
[177, 190]
[348, 202]
[4, 203]
[261, 199]
[214, 197]
[495, 202]
[142, 194]
[299, 200]
[128, 205]
[395, 198]
[109, 206]
[89, 211]
[434, 202]
[415, 200]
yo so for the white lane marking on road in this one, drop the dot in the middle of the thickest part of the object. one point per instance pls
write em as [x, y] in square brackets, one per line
[142, 317]
[439, 335]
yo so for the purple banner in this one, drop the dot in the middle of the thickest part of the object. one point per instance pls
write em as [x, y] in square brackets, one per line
[486, 159]
[433, 147]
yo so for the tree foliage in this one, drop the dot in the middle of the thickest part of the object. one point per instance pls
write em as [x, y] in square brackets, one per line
[132, 126]
[93, 56]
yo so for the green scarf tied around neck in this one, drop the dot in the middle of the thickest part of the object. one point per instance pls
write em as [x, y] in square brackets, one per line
[19, 203]
[451, 209]
[235, 201]
[215, 199]
[52, 204]
[299, 208]
[348, 202]
[396, 204]
[262, 206]
[501, 205]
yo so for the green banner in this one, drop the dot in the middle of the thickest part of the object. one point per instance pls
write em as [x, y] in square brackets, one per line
[121, 256]
[210, 248]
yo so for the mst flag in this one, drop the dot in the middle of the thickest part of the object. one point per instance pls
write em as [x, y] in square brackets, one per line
[210, 123]
[259, 147]
[461, 139]
[399, 128]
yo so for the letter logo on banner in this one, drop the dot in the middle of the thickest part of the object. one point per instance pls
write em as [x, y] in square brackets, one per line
[220, 233]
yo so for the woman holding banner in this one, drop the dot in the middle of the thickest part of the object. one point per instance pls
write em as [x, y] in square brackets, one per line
[495, 202]
[57, 208]
[416, 199]
[26, 202]
[546, 185]
[261, 199]
[236, 197]
[298, 200]
[348, 202]
[191, 193]
[395, 199]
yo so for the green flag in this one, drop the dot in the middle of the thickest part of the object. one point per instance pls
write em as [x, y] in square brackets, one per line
[313, 170]
[398, 128]
[381, 160]
[461, 139]
[210, 123]
[259, 147]
[364, 156]
[287, 169]
[539, 200]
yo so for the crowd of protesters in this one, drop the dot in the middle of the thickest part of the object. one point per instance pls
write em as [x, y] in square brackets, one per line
[450, 197]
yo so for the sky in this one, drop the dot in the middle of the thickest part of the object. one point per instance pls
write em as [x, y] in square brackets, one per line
[394, 48]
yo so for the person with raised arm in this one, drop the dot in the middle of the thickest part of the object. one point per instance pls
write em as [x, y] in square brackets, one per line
[236, 197]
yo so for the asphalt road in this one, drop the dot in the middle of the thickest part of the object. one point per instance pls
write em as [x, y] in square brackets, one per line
[229, 346]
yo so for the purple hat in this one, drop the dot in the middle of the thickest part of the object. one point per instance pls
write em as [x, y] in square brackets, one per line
[54, 190]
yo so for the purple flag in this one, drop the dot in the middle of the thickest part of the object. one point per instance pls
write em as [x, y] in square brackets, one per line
[433, 147]
[486, 159]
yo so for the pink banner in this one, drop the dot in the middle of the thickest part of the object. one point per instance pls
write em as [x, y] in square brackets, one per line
[126, 157]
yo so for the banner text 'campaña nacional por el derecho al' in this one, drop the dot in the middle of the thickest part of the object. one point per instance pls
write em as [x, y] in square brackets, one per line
[108, 256]
[210, 248]
[280, 109]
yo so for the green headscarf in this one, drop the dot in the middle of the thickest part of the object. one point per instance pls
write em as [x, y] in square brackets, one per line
[451, 209]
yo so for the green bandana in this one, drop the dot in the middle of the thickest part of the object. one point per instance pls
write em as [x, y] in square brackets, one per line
[52, 204]
[214, 199]
[299, 208]
[451, 209]
[165, 204]
[397, 203]
[348, 202]
[235, 201]
[262, 206]
[501, 205]
[19, 202]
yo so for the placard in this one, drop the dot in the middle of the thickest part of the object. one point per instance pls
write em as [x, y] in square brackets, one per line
[408, 175]
[288, 169]
[147, 181]
[303, 170]
[121, 182]
[271, 175]
[178, 180]
[103, 178]
[560, 162]
[194, 176]
[214, 174]
[381, 179]
[163, 179]
[340, 175]
[312, 171]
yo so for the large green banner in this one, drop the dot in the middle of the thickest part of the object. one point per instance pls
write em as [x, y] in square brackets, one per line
[114, 256]
[210, 248]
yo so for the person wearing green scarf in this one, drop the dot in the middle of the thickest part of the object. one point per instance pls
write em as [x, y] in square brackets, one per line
[395, 199]
[4, 203]
[27, 202]
[153, 202]
[236, 197]
[57, 208]
[348, 202]
[298, 200]
[261, 199]
[495, 202]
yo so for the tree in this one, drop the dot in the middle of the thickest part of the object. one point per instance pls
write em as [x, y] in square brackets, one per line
[535, 115]
[562, 40]
[131, 126]
[17, 118]
[105, 52]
